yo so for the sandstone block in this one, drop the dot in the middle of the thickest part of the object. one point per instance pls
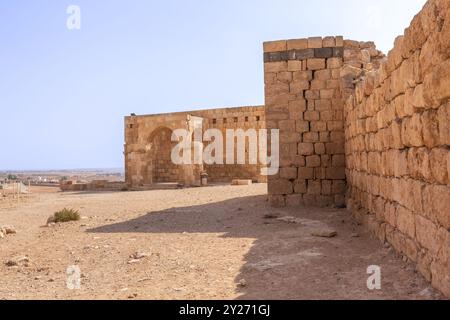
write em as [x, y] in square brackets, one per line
[319, 148]
[406, 222]
[338, 160]
[314, 187]
[300, 186]
[302, 126]
[275, 46]
[305, 149]
[315, 64]
[305, 173]
[297, 44]
[326, 187]
[288, 173]
[430, 127]
[302, 76]
[412, 131]
[294, 200]
[323, 53]
[285, 76]
[297, 87]
[339, 41]
[312, 94]
[335, 173]
[318, 126]
[276, 67]
[436, 199]
[304, 54]
[443, 117]
[427, 234]
[313, 161]
[311, 137]
[315, 42]
[328, 42]
[438, 164]
[294, 65]
[338, 187]
[277, 201]
[334, 63]
[280, 187]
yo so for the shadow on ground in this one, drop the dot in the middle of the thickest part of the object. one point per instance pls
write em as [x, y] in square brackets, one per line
[286, 261]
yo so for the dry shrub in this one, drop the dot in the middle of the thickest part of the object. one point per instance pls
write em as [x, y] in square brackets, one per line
[65, 215]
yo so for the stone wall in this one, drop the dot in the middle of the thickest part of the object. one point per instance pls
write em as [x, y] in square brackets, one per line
[397, 132]
[148, 146]
[234, 118]
[303, 96]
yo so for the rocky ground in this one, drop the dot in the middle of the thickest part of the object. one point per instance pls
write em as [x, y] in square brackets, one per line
[220, 242]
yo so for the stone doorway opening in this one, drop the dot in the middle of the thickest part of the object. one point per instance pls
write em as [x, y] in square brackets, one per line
[162, 169]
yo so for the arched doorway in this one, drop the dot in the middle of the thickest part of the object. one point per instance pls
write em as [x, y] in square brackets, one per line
[163, 170]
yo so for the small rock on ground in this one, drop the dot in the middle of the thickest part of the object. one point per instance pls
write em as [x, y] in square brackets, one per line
[324, 233]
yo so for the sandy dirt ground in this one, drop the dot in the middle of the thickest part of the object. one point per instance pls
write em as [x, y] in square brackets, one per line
[219, 242]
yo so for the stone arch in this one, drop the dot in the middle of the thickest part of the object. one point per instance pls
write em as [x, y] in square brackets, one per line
[161, 167]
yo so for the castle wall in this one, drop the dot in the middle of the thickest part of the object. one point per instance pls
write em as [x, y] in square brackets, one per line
[303, 97]
[148, 145]
[397, 132]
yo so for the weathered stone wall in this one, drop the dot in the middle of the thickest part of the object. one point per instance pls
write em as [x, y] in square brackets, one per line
[397, 132]
[303, 97]
[148, 146]
[147, 150]
[244, 118]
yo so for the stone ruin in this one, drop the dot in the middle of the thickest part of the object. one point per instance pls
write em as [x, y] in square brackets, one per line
[357, 129]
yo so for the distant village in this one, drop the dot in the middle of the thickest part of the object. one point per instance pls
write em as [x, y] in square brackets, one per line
[54, 178]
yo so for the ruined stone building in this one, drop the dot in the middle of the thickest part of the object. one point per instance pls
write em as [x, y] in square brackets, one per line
[357, 128]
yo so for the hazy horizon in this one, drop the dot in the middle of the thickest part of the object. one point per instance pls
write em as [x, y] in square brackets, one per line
[64, 93]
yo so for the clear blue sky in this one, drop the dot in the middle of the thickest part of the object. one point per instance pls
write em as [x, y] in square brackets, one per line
[63, 94]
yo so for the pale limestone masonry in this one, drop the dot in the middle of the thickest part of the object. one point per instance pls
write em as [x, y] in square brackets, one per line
[356, 129]
[148, 146]
[305, 80]
[397, 133]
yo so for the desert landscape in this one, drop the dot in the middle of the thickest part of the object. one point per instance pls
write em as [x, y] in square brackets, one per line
[251, 160]
[216, 242]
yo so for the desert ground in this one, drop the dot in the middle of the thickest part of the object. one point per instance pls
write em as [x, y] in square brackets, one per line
[217, 242]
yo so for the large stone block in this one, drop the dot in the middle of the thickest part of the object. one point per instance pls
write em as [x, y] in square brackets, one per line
[316, 64]
[275, 46]
[305, 149]
[437, 84]
[297, 44]
[314, 187]
[313, 161]
[276, 67]
[315, 42]
[300, 186]
[289, 173]
[438, 164]
[297, 87]
[335, 173]
[427, 234]
[430, 126]
[412, 131]
[305, 173]
[436, 200]
[406, 222]
[280, 187]
[302, 76]
[295, 65]
[443, 117]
